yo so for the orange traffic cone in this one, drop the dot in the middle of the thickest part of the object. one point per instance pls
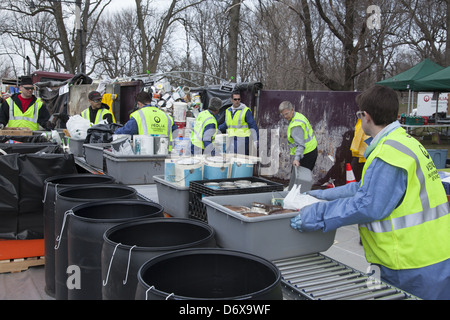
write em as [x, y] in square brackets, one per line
[350, 174]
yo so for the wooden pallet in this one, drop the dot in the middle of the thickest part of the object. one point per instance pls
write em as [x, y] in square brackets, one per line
[20, 264]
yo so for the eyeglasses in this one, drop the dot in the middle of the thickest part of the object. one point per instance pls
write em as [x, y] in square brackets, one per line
[29, 88]
[360, 114]
[237, 99]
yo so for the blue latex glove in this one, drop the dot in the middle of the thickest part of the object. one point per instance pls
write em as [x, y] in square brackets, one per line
[296, 223]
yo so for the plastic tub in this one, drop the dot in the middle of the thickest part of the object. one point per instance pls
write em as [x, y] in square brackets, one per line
[209, 274]
[173, 197]
[66, 200]
[137, 169]
[269, 236]
[128, 246]
[51, 185]
[85, 238]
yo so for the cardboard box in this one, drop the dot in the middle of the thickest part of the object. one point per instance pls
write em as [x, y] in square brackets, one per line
[16, 132]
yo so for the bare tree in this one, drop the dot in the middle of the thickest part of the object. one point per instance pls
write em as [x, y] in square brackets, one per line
[61, 45]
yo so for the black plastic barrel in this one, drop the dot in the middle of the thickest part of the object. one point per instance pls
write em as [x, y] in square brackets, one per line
[209, 274]
[50, 186]
[66, 199]
[85, 239]
[129, 245]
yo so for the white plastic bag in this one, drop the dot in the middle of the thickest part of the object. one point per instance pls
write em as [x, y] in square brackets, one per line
[78, 127]
[294, 200]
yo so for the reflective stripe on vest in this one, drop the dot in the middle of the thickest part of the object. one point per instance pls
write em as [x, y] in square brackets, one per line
[199, 128]
[19, 116]
[415, 219]
[145, 127]
[99, 116]
[236, 124]
[415, 234]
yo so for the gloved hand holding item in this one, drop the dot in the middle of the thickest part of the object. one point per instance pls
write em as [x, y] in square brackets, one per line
[296, 223]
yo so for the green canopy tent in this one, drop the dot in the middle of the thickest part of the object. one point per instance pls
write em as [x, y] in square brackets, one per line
[406, 81]
[436, 82]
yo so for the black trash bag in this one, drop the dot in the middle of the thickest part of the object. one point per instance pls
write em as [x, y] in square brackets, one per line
[22, 182]
[101, 133]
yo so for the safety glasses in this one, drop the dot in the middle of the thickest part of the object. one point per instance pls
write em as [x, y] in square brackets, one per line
[360, 114]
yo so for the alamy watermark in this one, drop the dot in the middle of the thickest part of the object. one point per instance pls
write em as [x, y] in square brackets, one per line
[374, 20]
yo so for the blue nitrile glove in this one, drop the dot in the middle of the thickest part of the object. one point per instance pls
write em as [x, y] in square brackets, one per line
[296, 223]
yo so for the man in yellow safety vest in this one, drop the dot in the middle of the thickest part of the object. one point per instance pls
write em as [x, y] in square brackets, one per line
[400, 204]
[205, 129]
[97, 110]
[24, 110]
[300, 135]
[149, 120]
[239, 125]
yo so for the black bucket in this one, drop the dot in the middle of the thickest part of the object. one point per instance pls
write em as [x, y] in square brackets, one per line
[50, 186]
[209, 274]
[85, 231]
[66, 199]
[128, 246]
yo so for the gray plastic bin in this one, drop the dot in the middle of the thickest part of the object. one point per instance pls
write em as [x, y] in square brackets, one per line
[76, 146]
[93, 154]
[173, 197]
[270, 237]
[134, 169]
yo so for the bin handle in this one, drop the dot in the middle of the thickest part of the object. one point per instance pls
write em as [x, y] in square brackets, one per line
[58, 238]
[146, 292]
[128, 266]
[105, 282]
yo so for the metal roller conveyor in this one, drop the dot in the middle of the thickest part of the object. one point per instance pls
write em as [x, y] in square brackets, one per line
[317, 277]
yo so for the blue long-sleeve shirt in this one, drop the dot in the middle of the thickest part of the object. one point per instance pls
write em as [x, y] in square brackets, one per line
[383, 189]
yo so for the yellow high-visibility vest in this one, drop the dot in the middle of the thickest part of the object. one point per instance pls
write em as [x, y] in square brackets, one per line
[29, 119]
[236, 125]
[299, 120]
[417, 233]
[99, 117]
[203, 119]
[151, 120]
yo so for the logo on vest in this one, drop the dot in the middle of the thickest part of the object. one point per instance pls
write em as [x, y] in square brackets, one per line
[424, 151]
[157, 119]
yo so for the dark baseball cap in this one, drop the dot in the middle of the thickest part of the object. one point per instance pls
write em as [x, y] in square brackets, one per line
[25, 81]
[95, 95]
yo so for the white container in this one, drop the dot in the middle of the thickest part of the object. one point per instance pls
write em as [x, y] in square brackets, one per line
[145, 143]
[161, 145]
[216, 168]
[188, 169]
[190, 122]
[179, 111]
[270, 237]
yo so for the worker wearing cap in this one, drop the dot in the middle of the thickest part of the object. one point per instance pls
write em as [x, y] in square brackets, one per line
[400, 204]
[300, 135]
[205, 129]
[97, 110]
[149, 120]
[239, 125]
[24, 110]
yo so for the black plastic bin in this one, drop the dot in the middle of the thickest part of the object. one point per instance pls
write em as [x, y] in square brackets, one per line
[200, 189]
